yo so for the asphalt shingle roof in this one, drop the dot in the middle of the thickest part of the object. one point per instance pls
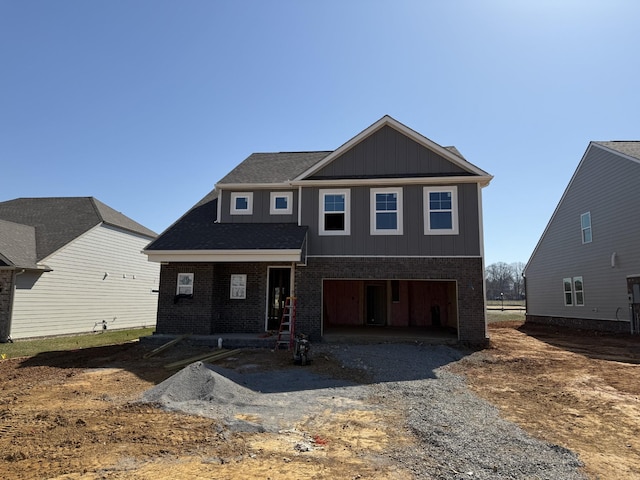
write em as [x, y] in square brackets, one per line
[17, 245]
[273, 167]
[631, 148]
[59, 220]
[197, 230]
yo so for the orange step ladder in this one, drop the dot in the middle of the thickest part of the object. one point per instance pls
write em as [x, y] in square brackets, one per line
[287, 324]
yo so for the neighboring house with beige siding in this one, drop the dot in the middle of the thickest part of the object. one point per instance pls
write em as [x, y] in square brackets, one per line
[585, 269]
[72, 265]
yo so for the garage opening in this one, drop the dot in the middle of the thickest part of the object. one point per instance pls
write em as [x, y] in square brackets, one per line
[420, 304]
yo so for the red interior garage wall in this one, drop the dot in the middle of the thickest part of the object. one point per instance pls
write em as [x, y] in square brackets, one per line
[342, 302]
[420, 303]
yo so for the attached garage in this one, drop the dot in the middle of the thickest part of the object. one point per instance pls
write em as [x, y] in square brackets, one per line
[425, 304]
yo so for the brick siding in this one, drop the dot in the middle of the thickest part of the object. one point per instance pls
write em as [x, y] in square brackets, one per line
[466, 271]
[6, 290]
[211, 310]
[581, 323]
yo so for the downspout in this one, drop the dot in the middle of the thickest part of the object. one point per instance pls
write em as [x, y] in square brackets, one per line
[11, 299]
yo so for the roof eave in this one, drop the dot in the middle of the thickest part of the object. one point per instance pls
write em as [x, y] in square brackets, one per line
[483, 180]
[265, 255]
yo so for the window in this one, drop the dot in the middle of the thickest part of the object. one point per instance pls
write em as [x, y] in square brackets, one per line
[185, 284]
[238, 287]
[441, 210]
[568, 292]
[281, 203]
[241, 203]
[585, 223]
[386, 211]
[573, 291]
[579, 290]
[334, 212]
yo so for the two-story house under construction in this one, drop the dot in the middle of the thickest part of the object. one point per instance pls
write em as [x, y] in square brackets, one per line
[385, 231]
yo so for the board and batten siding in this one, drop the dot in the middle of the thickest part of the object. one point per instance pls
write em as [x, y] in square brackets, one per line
[606, 185]
[77, 295]
[261, 208]
[388, 152]
[413, 241]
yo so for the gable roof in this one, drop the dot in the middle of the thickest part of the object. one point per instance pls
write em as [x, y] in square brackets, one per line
[59, 220]
[623, 149]
[450, 153]
[287, 167]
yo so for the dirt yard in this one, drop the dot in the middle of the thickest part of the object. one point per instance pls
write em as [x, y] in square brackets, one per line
[72, 415]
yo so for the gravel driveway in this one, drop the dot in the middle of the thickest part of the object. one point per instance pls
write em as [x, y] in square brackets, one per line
[459, 436]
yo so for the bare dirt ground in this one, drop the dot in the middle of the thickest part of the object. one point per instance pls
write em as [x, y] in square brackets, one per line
[73, 415]
[580, 390]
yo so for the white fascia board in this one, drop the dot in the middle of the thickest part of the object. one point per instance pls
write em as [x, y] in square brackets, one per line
[419, 138]
[482, 180]
[293, 255]
[253, 186]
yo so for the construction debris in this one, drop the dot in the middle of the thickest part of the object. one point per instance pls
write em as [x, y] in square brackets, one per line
[204, 357]
[162, 348]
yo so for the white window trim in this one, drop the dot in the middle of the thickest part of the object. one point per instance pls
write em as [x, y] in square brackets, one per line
[275, 211]
[238, 286]
[188, 286]
[582, 229]
[454, 210]
[347, 211]
[575, 291]
[381, 231]
[248, 196]
[564, 292]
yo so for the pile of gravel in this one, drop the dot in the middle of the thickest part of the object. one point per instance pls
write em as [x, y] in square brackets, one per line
[460, 436]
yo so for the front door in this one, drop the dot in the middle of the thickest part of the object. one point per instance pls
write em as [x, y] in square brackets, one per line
[278, 289]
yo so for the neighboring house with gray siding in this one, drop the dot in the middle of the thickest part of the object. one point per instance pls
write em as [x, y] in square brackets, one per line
[384, 232]
[583, 269]
[72, 265]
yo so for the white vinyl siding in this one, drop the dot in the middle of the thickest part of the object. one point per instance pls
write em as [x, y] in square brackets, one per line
[100, 276]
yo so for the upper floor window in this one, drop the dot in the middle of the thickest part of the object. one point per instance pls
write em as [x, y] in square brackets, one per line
[441, 210]
[386, 211]
[585, 223]
[185, 284]
[335, 217]
[281, 203]
[241, 203]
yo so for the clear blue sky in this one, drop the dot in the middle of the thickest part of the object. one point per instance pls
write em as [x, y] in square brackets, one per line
[145, 105]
